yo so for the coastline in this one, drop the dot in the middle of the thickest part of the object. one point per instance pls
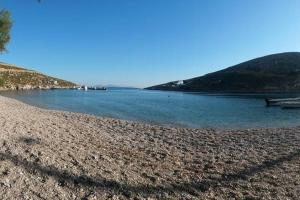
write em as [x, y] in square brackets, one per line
[48, 154]
[29, 87]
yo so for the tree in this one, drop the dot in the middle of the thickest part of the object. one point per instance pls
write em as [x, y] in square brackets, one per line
[5, 26]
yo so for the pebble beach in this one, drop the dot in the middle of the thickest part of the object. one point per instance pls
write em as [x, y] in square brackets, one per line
[47, 154]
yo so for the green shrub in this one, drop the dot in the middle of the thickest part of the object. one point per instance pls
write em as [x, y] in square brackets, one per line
[2, 82]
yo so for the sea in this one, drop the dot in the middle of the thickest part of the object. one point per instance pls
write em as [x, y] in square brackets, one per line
[180, 109]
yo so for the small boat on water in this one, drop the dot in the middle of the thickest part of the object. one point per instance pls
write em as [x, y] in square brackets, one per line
[90, 88]
[279, 102]
[96, 88]
[290, 104]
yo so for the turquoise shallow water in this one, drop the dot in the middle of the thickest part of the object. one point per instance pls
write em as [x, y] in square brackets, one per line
[167, 108]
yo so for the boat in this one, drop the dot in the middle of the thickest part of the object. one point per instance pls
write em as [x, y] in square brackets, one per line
[290, 104]
[96, 88]
[278, 102]
[83, 87]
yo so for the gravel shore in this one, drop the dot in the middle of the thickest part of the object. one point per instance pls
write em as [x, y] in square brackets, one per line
[48, 154]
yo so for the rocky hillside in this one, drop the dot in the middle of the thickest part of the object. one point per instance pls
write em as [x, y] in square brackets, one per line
[13, 77]
[272, 73]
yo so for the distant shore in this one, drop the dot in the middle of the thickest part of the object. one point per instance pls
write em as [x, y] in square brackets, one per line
[29, 87]
[49, 154]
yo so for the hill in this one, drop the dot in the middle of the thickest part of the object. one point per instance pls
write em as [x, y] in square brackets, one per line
[272, 73]
[14, 77]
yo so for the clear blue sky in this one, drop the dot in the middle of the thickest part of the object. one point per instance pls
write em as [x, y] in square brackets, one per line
[145, 42]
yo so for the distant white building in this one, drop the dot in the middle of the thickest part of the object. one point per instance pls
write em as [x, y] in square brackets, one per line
[180, 82]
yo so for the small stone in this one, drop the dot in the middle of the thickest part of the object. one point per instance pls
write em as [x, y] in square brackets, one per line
[61, 183]
[95, 157]
[6, 183]
[115, 197]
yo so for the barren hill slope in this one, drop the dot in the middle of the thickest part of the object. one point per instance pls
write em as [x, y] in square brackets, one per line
[14, 77]
[272, 73]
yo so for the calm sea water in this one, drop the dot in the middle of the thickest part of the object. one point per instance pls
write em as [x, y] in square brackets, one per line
[166, 108]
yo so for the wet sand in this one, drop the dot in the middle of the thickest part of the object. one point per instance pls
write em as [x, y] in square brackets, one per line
[48, 154]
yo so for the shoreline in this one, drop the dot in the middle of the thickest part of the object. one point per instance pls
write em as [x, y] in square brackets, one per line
[220, 127]
[48, 154]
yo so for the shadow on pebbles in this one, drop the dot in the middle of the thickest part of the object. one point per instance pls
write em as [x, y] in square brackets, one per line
[61, 155]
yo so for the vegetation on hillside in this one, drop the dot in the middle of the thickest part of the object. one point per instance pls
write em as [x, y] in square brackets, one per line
[13, 77]
[273, 73]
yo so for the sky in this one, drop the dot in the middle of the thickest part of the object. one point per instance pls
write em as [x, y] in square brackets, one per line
[141, 43]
